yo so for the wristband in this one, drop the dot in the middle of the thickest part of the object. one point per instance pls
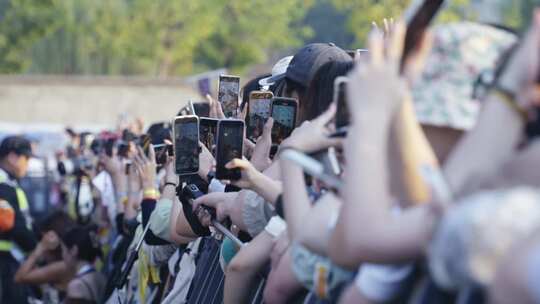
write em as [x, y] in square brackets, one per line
[509, 99]
[124, 201]
[150, 193]
[275, 226]
[170, 184]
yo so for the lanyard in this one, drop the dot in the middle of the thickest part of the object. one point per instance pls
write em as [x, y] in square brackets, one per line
[85, 269]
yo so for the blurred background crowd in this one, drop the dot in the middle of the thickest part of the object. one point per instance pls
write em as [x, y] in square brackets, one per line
[371, 154]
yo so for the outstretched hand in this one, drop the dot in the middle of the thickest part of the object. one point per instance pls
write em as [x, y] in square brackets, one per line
[249, 174]
[375, 85]
[313, 135]
[260, 157]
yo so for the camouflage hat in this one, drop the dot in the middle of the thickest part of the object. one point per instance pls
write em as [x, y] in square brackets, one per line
[461, 52]
[477, 233]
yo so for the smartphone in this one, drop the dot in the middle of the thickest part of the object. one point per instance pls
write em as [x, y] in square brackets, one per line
[230, 140]
[284, 115]
[162, 151]
[342, 112]
[208, 132]
[228, 92]
[259, 106]
[186, 144]
[418, 19]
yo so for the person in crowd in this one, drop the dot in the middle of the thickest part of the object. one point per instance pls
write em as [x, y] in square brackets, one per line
[427, 195]
[80, 250]
[15, 233]
[45, 266]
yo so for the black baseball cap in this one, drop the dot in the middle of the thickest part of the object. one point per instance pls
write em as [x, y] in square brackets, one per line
[310, 58]
[16, 144]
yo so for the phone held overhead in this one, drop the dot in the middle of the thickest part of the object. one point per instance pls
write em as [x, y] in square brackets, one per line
[228, 92]
[186, 144]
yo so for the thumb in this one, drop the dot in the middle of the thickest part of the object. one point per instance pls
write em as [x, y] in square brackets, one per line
[267, 131]
[327, 116]
[236, 163]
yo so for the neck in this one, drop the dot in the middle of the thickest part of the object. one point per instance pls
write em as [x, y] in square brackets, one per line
[4, 166]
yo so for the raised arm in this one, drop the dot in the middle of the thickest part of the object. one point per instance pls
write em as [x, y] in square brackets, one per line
[500, 126]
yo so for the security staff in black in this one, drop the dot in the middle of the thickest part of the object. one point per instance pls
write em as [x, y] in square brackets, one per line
[16, 235]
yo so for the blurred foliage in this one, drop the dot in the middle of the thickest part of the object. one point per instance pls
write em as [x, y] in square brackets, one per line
[22, 23]
[364, 12]
[518, 13]
[164, 38]
[250, 30]
[153, 37]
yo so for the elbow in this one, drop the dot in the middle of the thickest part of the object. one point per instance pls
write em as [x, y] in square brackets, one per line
[238, 265]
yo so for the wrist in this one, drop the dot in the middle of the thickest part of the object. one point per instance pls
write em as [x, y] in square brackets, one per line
[148, 185]
[150, 193]
[259, 182]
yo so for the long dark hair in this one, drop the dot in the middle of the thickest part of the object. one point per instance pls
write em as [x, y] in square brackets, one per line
[321, 89]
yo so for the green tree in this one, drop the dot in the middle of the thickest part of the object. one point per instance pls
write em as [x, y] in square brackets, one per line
[518, 13]
[22, 23]
[251, 30]
[364, 12]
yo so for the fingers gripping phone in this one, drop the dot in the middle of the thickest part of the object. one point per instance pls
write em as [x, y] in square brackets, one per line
[186, 144]
[208, 133]
[230, 142]
[342, 112]
[228, 92]
[418, 19]
[284, 115]
[259, 106]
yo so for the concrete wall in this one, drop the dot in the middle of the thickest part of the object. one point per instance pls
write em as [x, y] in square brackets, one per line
[88, 101]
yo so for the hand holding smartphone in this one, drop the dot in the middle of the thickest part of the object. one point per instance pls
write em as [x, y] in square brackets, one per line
[259, 107]
[230, 142]
[342, 112]
[228, 92]
[162, 151]
[186, 144]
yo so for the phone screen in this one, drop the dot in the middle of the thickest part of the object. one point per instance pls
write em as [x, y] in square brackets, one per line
[208, 132]
[186, 143]
[284, 115]
[229, 146]
[229, 88]
[417, 24]
[260, 104]
[342, 112]
[162, 151]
